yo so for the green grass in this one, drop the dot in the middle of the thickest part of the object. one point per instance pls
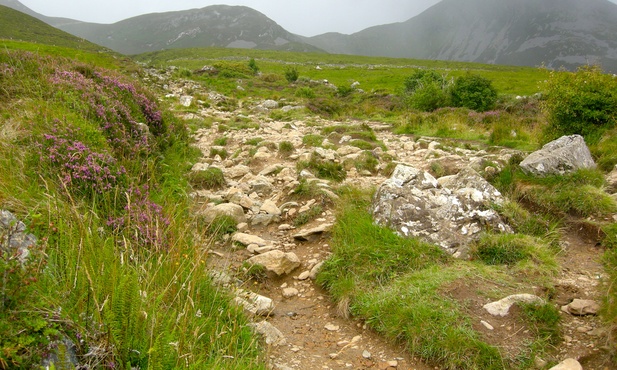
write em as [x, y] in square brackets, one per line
[376, 73]
[398, 287]
[211, 178]
[323, 169]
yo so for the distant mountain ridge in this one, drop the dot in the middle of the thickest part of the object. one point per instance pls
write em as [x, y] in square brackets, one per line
[217, 25]
[554, 33]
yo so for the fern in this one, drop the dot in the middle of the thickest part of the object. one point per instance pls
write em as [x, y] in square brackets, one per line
[125, 320]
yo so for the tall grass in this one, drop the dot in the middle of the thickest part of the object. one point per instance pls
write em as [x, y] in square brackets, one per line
[120, 274]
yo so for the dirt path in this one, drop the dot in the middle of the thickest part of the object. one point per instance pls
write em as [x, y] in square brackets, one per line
[315, 336]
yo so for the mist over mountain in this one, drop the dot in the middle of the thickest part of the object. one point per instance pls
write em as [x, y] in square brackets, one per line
[554, 33]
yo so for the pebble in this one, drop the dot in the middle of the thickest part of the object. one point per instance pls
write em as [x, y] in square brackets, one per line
[487, 325]
[366, 354]
[332, 327]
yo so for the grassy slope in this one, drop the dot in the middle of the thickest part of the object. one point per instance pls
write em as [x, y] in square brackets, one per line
[116, 268]
[373, 73]
[15, 25]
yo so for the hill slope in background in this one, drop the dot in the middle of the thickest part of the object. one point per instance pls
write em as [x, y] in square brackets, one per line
[16, 25]
[555, 33]
[217, 25]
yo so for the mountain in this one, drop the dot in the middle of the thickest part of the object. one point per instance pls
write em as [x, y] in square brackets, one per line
[217, 25]
[16, 25]
[554, 33]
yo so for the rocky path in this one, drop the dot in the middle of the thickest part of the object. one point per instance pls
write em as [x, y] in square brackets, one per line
[300, 324]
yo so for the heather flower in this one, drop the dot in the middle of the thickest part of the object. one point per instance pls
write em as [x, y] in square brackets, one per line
[143, 222]
[80, 168]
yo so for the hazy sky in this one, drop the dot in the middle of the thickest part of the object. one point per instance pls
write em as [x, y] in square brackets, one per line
[303, 17]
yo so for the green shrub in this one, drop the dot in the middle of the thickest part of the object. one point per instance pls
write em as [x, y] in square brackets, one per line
[583, 102]
[253, 66]
[343, 91]
[473, 92]
[286, 148]
[325, 106]
[426, 90]
[305, 92]
[211, 178]
[292, 74]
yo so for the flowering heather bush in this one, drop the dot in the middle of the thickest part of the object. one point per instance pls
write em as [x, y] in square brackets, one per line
[118, 107]
[80, 169]
[143, 221]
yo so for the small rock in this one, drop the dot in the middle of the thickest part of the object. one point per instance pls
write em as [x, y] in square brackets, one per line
[290, 292]
[285, 227]
[581, 307]
[568, 364]
[487, 325]
[315, 270]
[366, 354]
[186, 100]
[270, 208]
[307, 235]
[539, 363]
[331, 327]
[247, 239]
[333, 356]
[271, 334]
[254, 303]
[502, 307]
[305, 275]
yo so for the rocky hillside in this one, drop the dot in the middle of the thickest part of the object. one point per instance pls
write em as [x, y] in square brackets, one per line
[555, 33]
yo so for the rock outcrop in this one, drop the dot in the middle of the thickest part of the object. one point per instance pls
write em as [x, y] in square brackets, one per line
[564, 155]
[415, 204]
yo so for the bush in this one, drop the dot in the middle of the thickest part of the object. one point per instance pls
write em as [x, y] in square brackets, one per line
[305, 92]
[426, 90]
[473, 92]
[292, 74]
[253, 66]
[583, 102]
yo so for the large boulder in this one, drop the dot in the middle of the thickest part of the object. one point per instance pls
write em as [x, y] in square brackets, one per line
[564, 155]
[451, 215]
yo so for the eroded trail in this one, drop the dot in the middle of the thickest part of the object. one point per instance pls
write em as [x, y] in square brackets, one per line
[306, 330]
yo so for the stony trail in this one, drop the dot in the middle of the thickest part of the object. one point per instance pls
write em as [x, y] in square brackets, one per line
[302, 326]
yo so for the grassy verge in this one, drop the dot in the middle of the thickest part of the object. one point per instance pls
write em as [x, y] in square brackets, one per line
[399, 287]
[116, 269]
